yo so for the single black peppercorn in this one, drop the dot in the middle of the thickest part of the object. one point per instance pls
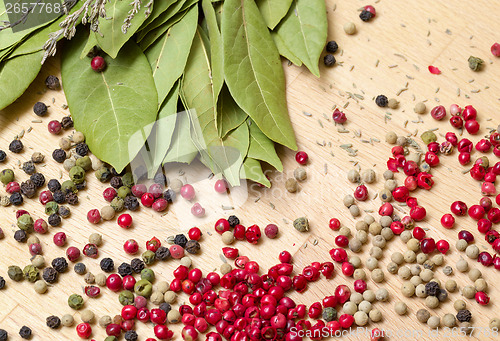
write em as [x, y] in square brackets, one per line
[2, 283]
[29, 167]
[72, 198]
[432, 288]
[49, 275]
[28, 188]
[163, 253]
[332, 46]
[54, 185]
[165, 307]
[16, 199]
[80, 268]
[60, 264]
[3, 335]
[20, 236]
[180, 240]
[192, 247]
[464, 315]
[124, 269]
[137, 265]
[381, 101]
[82, 149]
[40, 109]
[38, 179]
[67, 122]
[59, 197]
[3, 155]
[131, 203]
[233, 220]
[131, 335]
[25, 332]
[160, 178]
[59, 155]
[329, 60]
[365, 15]
[16, 146]
[116, 182]
[54, 220]
[107, 265]
[52, 82]
[53, 322]
[169, 195]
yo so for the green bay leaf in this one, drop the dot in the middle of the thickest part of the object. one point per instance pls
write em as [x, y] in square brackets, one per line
[216, 57]
[156, 33]
[229, 114]
[284, 50]
[115, 109]
[253, 70]
[273, 10]
[158, 8]
[16, 75]
[110, 36]
[252, 170]
[304, 31]
[91, 43]
[262, 148]
[163, 18]
[168, 55]
[182, 148]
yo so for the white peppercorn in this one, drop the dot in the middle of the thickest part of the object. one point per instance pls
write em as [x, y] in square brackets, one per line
[410, 256]
[385, 195]
[355, 261]
[157, 297]
[481, 285]
[413, 244]
[345, 231]
[67, 320]
[432, 302]
[387, 233]
[438, 259]
[170, 297]
[374, 228]
[450, 285]
[186, 261]
[462, 265]
[162, 286]
[472, 251]
[359, 274]
[300, 173]
[365, 306]
[95, 238]
[356, 298]
[449, 320]
[392, 268]
[474, 274]
[406, 236]
[291, 185]
[105, 321]
[448, 270]
[390, 137]
[361, 225]
[368, 219]
[379, 241]
[397, 257]
[469, 291]
[371, 263]
[426, 275]
[421, 258]
[354, 245]
[348, 200]
[382, 295]
[353, 176]
[400, 308]
[361, 318]
[404, 272]
[419, 108]
[354, 210]
[434, 322]
[423, 315]
[369, 176]
[375, 315]
[362, 236]
[349, 308]
[87, 316]
[495, 324]
[415, 269]
[349, 28]
[376, 252]
[416, 280]
[228, 237]
[459, 305]
[461, 245]
[385, 221]
[408, 289]
[369, 295]
[388, 174]
[390, 184]
[225, 268]
[420, 291]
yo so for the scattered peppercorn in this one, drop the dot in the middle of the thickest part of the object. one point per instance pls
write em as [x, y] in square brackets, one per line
[80, 268]
[131, 335]
[124, 269]
[169, 195]
[82, 149]
[59, 155]
[67, 122]
[464, 315]
[329, 60]
[3, 335]
[40, 109]
[54, 220]
[160, 179]
[137, 265]
[16, 146]
[28, 188]
[163, 253]
[71, 198]
[64, 211]
[131, 203]
[165, 307]
[301, 224]
[148, 257]
[59, 197]
[15, 273]
[20, 236]
[107, 265]
[16, 199]
[38, 179]
[381, 101]
[432, 288]
[233, 221]
[365, 15]
[332, 46]
[3, 156]
[53, 322]
[116, 182]
[54, 185]
[475, 63]
[52, 82]
[25, 332]
[192, 247]
[75, 301]
[49, 275]
[60, 264]
[180, 240]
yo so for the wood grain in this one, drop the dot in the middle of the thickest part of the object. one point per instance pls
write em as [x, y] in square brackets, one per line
[387, 54]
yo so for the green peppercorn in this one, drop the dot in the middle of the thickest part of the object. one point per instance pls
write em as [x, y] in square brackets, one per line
[126, 297]
[15, 273]
[123, 192]
[301, 224]
[117, 204]
[77, 175]
[31, 273]
[75, 301]
[103, 174]
[68, 186]
[475, 63]
[148, 275]
[85, 163]
[25, 222]
[6, 176]
[51, 208]
[428, 137]
[329, 314]
[143, 288]
[128, 180]
[148, 257]
[111, 338]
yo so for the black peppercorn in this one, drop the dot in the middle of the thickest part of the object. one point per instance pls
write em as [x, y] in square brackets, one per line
[131, 335]
[107, 265]
[169, 195]
[82, 149]
[160, 178]
[432, 288]
[60, 264]
[53, 322]
[365, 15]
[180, 240]
[165, 307]
[67, 122]
[81, 186]
[124, 269]
[332, 46]
[163, 253]
[28, 188]
[20, 236]
[49, 275]
[137, 265]
[3, 335]
[464, 315]
[16, 146]
[38, 179]
[2, 284]
[40, 109]
[3, 155]
[329, 60]
[54, 220]
[16, 199]
[59, 197]
[381, 101]
[233, 220]
[29, 167]
[59, 155]
[80, 268]
[131, 203]
[116, 182]
[52, 82]
[192, 247]
[54, 185]
[72, 198]
[25, 332]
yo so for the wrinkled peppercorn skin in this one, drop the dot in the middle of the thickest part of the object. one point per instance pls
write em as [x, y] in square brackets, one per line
[107, 265]
[49, 275]
[137, 265]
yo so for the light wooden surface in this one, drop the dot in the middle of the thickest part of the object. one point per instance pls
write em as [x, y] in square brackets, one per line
[416, 30]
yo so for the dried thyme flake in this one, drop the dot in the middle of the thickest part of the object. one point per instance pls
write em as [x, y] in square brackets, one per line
[306, 114]
[320, 124]
[315, 242]
[272, 205]
[222, 258]
[401, 56]
[227, 208]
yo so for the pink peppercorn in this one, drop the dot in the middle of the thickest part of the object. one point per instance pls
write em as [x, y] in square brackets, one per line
[447, 221]
[427, 245]
[84, 330]
[466, 235]
[361, 193]
[397, 227]
[341, 241]
[458, 208]
[109, 194]
[346, 320]
[94, 216]
[464, 158]
[442, 246]
[124, 220]
[418, 213]
[488, 188]
[485, 258]
[222, 225]
[495, 49]
[139, 190]
[45, 197]
[347, 269]
[400, 193]
[338, 255]
[131, 247]
[438, 112]
[452, 138]
[494, 215]
[285, 257]
[386, 209]
[465, 146]
[484, 225]
[469, 113]
[456, 122]
[54, 127]
[91, 250]
[60, 238]
[160, 205]
[418, 233]
[301, 157]
[334, 224]
[472, 127]
[187, 192]
[114, 282]
[360, 286]
[433, 147]
[176, 251]
[147, 199]
[482, 298]
[342, 293]
[13, 187]
[35, 249]
[239, 232]
[483, 146]
[271, 231]
[476, 212]
[339, 117]
[477, 172]
[73, 253]
[221, 186]
[40, 226]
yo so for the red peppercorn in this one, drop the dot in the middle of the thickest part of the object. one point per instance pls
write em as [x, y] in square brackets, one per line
[483, 146]
[342, 293]
[153, 244]
[472, 127]
[485, 258]
[315, 310]
[44, 196]
[490, 177]
[424, 180]
[230, 252]
[496, 151]
[427, 245]
[442, 246]
[400, 193]
[458, 208]
[494, 215]
[84, 330]
[253, 234]
[360, 286]
[160, 205]
[143, 314]
[129, 312]
[433, 147]
[361, 193]
[438, 112]
[73, 253]
[495, 49]
[181, 272]
[482, 298]
[484, 225]
[338, 116]
[447, 221]
[40, 226]
[334, 224]
[495, 138]
[301, 157]
[456, 122]
[411, 202]
[452, 138]
[386, 209]
[91, 250]
[397, 227]
[239, 232]
[418, 213]
[469, 113]
[347, 269]
[131, 246]
[92, 291]
[285, 257]
[113, 329]
[465, 146]
[125, 220]
[488, 188]
[129, 282]
[418, 233]
[222, 225]
[147, 199]
[14, 187]
[60, 239]
[109, 194]
[432, 159]
[35, 249]
[411, 183]
[464, 158]
[338, 255]
[477, 172]
[194, 233]
[466, 235]
[54, 127]
[346, 320]
[476, 212]
[310, 273]
[158, 316]
[341, 241]
[94, 216]
[139, 190]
